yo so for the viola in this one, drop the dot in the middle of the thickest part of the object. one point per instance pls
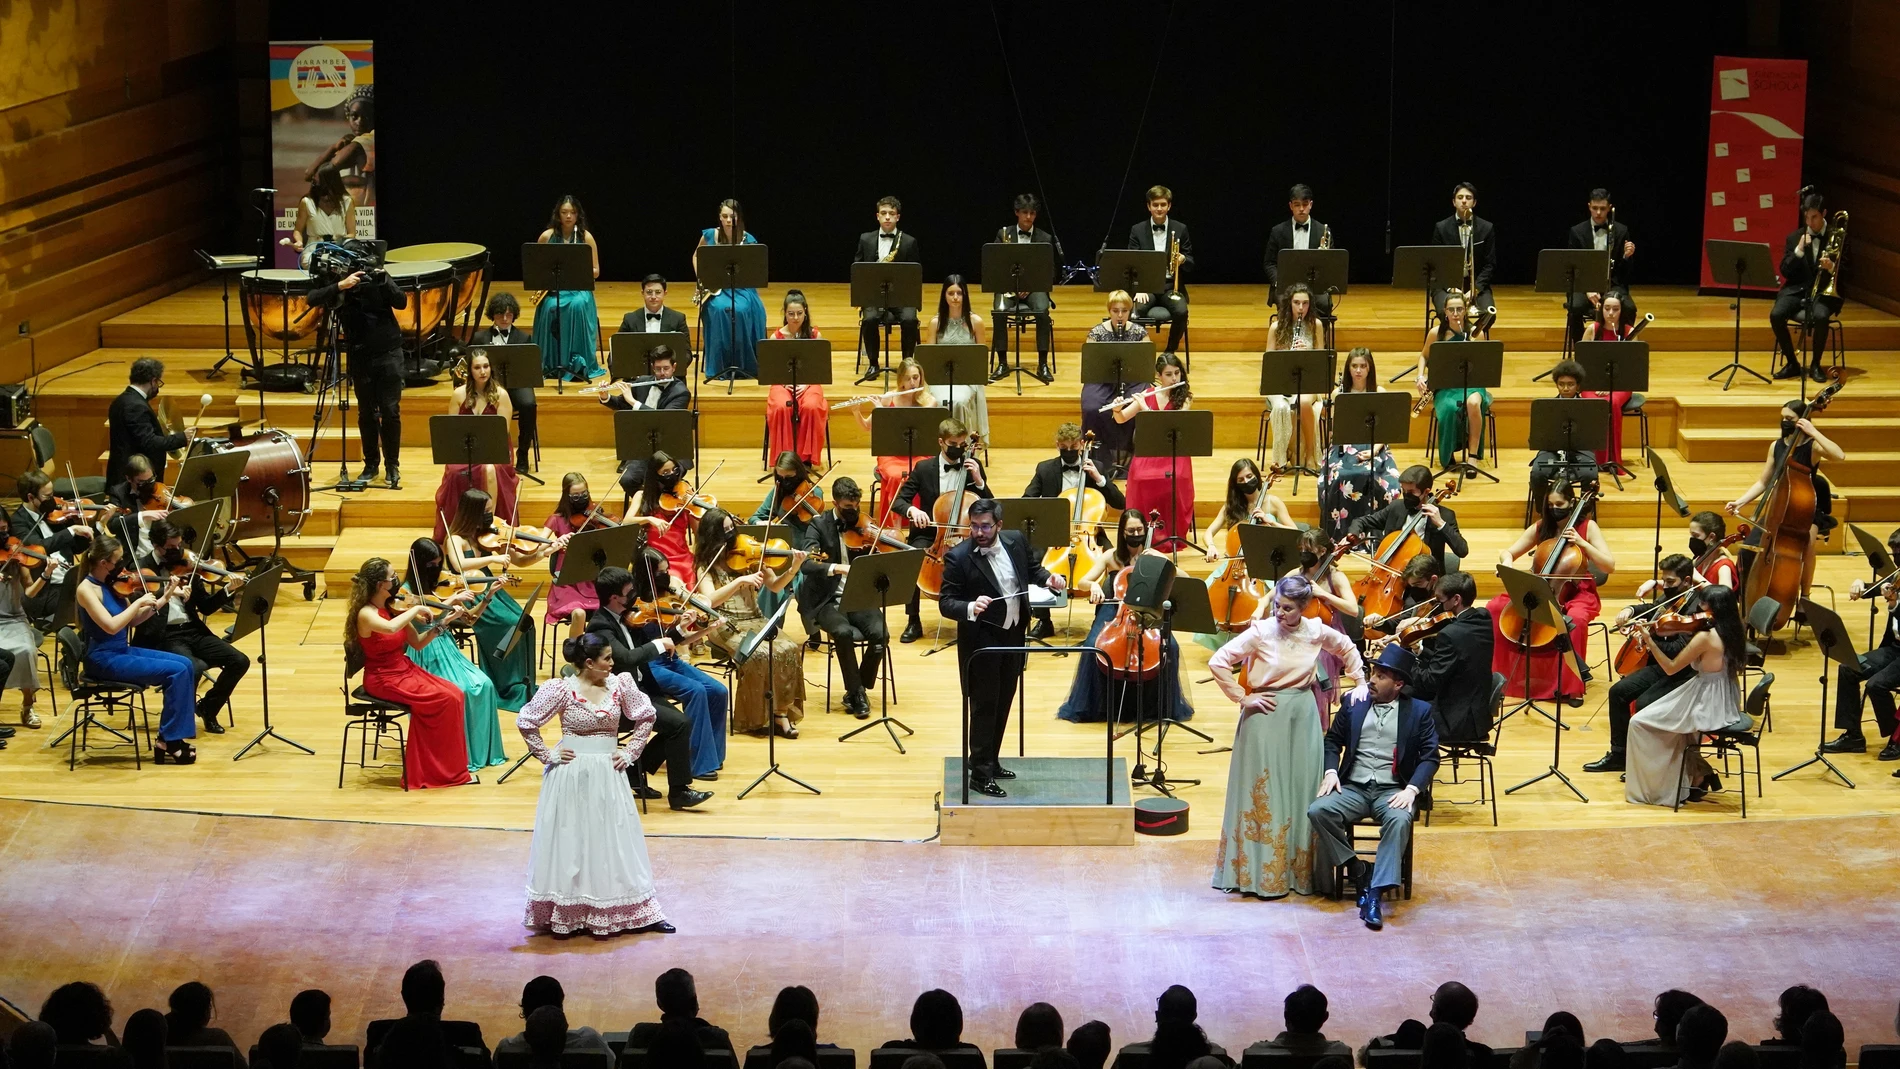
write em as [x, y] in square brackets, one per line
[1314, 607]
[1381, 592]
[515, 539]
[1128, 650]
[1087, 506]
[682, 498]
[947, 514]
[1560, 562]
[747, 554]
[593, 516]
[1235, 596]
[184, 569]
[1784, 517]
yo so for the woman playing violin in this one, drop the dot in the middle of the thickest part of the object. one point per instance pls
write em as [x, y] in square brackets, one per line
[106, 617]
[1712, 699]
[891, 470]
[809, 401]
[472, 524]
[570, 604]
[1550, 672]
[1094, 690]
[736, 596]
[18, 637]
[1796, 427]
[373, 636]
[441, 657]
[794, 497]
[666, 527]
[481, 395]
[1246, 502]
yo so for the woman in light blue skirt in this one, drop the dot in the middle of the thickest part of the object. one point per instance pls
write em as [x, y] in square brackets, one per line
[731, 321]
[573, 356]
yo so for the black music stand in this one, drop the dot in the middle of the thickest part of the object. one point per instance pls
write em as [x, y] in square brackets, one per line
[1423, 266]
[627, 351]
[889, 286]
[1665, 488]
[1323, 271]
[1739, 263]
[792, 363]
[748, 648]
[1123, 363]
[1302, 373]
[1538, 603]
[1570, 272]
[1880, 561]
[1270, 552]
[949, 364]
[904, 432]
[1185, 610]
[254, 601]
[1011, 268]
[206, 477]
[1837, 646]
[1043, 522]
[730, 267]
[1134, 270]
[557, 267]
[596, 548]
[1176, 433]
[1379, 420]
[199, 524]
[469, 440]
[1566, 425]
[518, 367]
[879, 581]
[638, 434]
[1614, 365]
[1464, 366]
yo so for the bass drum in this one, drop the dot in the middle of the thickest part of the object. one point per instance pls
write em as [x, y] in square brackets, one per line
[276, 304]
[468, 260]
[429, 286]
[276, 463]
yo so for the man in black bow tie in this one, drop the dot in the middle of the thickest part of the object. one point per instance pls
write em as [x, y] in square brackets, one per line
[653, 316]
[503, 309]
[1067, 471]
[1302, 231]
[1601, 232]
[1025, 232]
[886, 244]
[1465, 229]
[1161, 234]
[953, 470]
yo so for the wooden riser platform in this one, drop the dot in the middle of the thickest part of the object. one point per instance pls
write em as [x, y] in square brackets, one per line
[1053, 801]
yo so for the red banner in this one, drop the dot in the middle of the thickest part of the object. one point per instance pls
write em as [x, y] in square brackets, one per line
[1757, 115]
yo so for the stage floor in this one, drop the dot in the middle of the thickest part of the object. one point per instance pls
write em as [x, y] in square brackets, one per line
[1592, 921]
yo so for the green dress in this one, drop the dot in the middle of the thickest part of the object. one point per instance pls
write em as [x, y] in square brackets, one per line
[513, 675]
[480, 712]
[1449, 407]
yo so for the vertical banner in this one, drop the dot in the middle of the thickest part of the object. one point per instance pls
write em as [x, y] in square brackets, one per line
[1757, 113]
[322, 133]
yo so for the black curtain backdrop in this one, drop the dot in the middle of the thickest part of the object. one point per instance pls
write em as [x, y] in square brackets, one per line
[651, 113]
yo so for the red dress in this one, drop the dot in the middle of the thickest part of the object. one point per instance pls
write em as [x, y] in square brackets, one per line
[455, 479]
[1150, 489]
[813, 413]
[436, 754]
[1582, 606]
[563, 600]
[1618, 398]
[679, 557]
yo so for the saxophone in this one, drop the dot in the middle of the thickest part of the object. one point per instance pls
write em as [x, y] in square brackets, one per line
[1836, 238]
[897, 238]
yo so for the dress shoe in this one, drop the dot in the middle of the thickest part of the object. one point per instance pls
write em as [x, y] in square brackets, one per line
[912, 631]
[369, 474]
[393, 478]
[1890, 752]
[814, 641]
[1001, 373]
[7, 732]
[999, 772]
[858, 704]
[707, 776]
[212, 727]
[663, 927]
[989, 787]
[1359, 871]
[648, 793]
[1845, 743]
[870, 376]
[1041, 629]
[687, 798]
[1609, 762]
[1788, 371]
[1371, 910]
[1817, 374]
[1045, 374]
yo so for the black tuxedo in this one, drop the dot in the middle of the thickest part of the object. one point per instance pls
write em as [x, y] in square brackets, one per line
[1169, 308]
[1484, 259]
[872, 317]
[31, 529]
[1879, 668]
[1637, 690]
[135, 429]
[1393, 515]
[1583, 236]
[672, 731]
[1036, 305]
[671, 322]
[1454, 673]
[924, 486]
[1047, 482]
[989, 682]
[1281, 237]
[521, 397]
[1797, 277]
[818, 592]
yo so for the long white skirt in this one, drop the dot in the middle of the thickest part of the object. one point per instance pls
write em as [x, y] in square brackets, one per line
[1662, 731]
[588, 867]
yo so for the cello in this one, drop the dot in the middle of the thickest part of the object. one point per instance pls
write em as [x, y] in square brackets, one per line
[1785, 518]
[1087, 506]
[1556, 560]
[946, 516]
[1381, 592]
[1126, 649]
[1233, 595]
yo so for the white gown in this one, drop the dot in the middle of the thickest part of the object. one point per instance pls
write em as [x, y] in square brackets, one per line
[1660, 733]
[587, 867]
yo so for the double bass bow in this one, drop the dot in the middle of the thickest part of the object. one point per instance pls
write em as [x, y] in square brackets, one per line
[1784, 515]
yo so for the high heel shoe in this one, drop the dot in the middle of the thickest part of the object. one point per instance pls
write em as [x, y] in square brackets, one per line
[178, 752]
[784, 728]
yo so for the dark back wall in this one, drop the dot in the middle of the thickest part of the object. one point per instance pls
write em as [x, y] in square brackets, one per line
[487, 117]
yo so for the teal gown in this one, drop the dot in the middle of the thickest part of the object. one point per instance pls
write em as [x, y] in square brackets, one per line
[480, 712]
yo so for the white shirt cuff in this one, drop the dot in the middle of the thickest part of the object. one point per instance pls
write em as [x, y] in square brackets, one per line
[973, 612]
[659, 648]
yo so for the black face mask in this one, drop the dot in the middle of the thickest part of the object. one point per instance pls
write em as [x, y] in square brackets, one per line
[1248, 486]
[847, 517]
[1698, 546]
[1307, 560]
[580, 502]
[1556, 513]
[1133, 541]
[1070, 457]
[787, 487]
[1412, 503]
[1787, 427]
[953, 453]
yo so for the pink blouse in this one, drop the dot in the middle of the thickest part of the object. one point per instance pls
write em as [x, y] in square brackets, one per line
[558, 696]
[1278, 659]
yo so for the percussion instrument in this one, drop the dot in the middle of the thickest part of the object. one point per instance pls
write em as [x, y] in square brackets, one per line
[276, 303]
[468, 260]
[430, 287]
[276, 463]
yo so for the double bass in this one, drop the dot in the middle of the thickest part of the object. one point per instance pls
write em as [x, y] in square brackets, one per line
[1381, 592]
[1128, 650]
[1087, 506]
[1556, 560]
[1785, 517]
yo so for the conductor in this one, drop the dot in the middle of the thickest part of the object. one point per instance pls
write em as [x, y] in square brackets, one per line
[986, 580]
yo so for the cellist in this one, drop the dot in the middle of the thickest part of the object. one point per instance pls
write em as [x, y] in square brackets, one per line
[1576, 598]
[1094, 688]
[1070, 470]
[1676, 574]
[1799, 434]
[952, 471]
[1440, 534]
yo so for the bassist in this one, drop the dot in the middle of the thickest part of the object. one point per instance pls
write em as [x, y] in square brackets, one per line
[1789, 483]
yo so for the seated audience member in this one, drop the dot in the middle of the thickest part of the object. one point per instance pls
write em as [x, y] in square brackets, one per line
[546, 991]
[678, 1000]
[546, 1034]
[1605, 1053]
[794, 1039]
[675, 1045]
[1823, 1046]
[1054, 1058]
[797, 1063]
[1560, 1029]
[144, 1039]
[1305, 1014]
[421, 1033]
[80, 1013]
[413, 1041]
[1091, 1044]
[1333, 1061]
[1797, 1004]
[1208, 1061]
[795, 1003]
[189, 1022]
[1736, 1054]
[310, 1012]
[936, 1023]
[1445, 1048]
[922, 1061]
[1039, 1027]
[280, 1047]
[1178, 1039]
[1453, 1004]
[1699, 1037]
[31, 1046]
[1670, 1006]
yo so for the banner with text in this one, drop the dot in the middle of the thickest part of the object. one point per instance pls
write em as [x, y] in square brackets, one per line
[1757, 114]
[322, 142]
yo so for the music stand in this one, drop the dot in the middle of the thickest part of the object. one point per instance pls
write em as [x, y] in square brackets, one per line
[1270, 552]
[1011, 268]
[910, 433]
[1185, 610]
[1293, 371]
[1123, 363]
[1567, 425]
[1570, 272]
[876, 284]
[1665, 488]
[1044, 524]
[1134, 270]
[792, 363]
[594, 549]
[638, 434]
[1609, 366]
[1464, 366]
[199, 524]
[1377, 420]
[879, 581]
[1538, 604]
[1176, 433]
[1837, 646]
[557, 267]
[1423, 266]
[1881, 562]
[254, 601]
[469, 440]
[525, 626]
[1739, 263]
[1323, 271]
[729, 267]
[627, 351]
[748, 648]
[208, 477]
[517, 367]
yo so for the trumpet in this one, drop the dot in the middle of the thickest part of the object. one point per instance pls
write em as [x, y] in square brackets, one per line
[875, 397]
[1836, 238]
[1174, 264]
[1117, 403]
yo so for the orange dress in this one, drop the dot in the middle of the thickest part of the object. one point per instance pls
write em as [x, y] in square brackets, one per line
[813, 412]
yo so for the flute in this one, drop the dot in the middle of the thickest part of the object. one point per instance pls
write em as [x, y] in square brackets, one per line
[610, 386]
[872, 398]
[1120, 401]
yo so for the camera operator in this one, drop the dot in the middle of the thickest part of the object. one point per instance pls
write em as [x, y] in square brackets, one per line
[365, 300]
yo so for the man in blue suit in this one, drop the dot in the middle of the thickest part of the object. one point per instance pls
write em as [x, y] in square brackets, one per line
[1381, 753]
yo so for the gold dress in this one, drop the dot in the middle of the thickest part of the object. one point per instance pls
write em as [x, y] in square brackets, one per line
[788, 661]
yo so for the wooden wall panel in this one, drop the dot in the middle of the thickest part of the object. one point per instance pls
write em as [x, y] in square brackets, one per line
[1853, 150]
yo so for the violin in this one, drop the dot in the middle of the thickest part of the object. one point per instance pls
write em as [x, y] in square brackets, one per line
[515, 539]
[28, 557]
[1785, 515]
[450, 613]
[804, 504]
[1381, 592]
[947, 515]
[1560, 562]
[1127, 650]
[594, 516]
[184, 569]
[133, 584]
[159, 493]
[1314, 607]
[450, 584]
[1087, 506]
[1710, 554]
[667, 609]
[747, 554]
[65, 512]
[682, 498]
[1418, 629]
[1235, 596]
[868, 536]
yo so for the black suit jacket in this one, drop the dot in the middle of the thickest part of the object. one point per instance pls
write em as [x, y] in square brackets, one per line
[1392, 516]
[817, 586]
[675, 394]
[1797, 270]
[1416, 758]
[967, 576]
[1453, 672]
[924, 486]
[1281, 237]
[1141, 236]
[867, 248]
[1047, 482]
[1484, 246]
[1583, 237]
[670, 321]
[27, 527]
[135, 429]
[711, 1037]
[628, 659]
[519, 335]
